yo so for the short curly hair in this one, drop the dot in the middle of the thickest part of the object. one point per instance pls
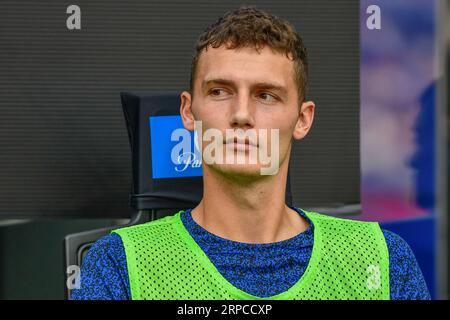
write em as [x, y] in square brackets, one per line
[251, 27]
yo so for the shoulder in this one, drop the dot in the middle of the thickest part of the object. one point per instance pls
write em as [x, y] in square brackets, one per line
[399, 248]
[338, 225]
[339, 219]
[159, 230]
[158, 224]
[106, 253]
[110, 245]
[396, 242]
[400, 252]
[406, 279]
[103, 273]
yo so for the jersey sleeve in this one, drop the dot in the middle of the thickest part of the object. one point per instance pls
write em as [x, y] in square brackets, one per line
[406, 280]
[104, 274]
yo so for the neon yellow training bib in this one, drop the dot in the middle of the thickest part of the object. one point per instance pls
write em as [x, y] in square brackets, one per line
[349, 260]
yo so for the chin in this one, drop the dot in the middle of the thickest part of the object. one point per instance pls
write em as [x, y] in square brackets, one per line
[239, 172]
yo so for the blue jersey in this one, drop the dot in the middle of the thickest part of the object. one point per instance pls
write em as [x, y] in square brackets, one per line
[260, 269]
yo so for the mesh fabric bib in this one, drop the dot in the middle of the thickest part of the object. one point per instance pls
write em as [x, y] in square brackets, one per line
[349, 260]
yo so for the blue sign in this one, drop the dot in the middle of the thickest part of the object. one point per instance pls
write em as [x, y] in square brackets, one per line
[174, 153]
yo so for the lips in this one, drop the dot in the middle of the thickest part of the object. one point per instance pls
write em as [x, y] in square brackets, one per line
[241, 142]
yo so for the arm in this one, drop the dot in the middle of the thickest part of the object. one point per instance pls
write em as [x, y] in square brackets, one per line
[405, 277]
[104, 274]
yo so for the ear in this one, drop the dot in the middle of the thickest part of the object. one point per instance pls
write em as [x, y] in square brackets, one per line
[186, 110]
[305, 120]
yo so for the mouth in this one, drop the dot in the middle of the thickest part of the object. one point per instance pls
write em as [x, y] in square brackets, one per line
[241, 144]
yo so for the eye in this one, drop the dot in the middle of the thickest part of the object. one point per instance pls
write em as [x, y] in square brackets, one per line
[268, 97]
[215, 92]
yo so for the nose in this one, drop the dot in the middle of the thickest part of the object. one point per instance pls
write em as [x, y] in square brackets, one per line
[242, 113]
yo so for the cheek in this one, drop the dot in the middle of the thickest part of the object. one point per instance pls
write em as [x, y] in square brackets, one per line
[286, 125]
[210, 122]
[211, 115]
[281, 143]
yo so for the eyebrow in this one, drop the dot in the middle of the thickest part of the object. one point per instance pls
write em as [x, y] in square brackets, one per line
[260, 85]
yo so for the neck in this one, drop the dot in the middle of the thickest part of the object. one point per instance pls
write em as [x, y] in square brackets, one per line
[253, 212]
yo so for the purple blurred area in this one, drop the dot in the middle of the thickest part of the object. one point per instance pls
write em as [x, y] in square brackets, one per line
[397, 69]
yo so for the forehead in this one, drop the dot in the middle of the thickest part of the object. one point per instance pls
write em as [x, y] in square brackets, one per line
[246, 65]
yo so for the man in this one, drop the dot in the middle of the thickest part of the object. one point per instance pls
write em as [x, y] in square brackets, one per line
[242, 241]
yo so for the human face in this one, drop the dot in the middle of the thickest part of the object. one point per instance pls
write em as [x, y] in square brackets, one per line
[244, 89]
